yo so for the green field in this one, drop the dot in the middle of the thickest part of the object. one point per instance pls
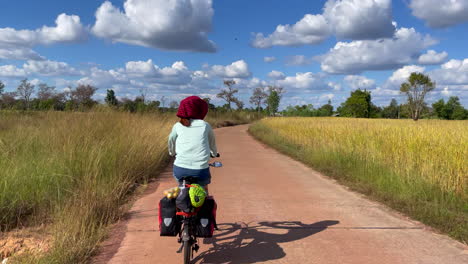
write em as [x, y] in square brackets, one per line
[419, 168]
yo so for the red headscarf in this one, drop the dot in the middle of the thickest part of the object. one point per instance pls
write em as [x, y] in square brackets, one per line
[192, 107]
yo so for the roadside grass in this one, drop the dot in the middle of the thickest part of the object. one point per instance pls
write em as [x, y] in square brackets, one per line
[419, 168]
[73, 172]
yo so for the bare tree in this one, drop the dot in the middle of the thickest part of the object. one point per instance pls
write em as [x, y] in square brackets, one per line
[83, 94]
[174, 105]
[163, 100]
[25, 91]
[227, 94]
[239, 103]
[416, 88]
[8, 99]
[2, 87]
[258, 97]
[143, 93]
[45, 92]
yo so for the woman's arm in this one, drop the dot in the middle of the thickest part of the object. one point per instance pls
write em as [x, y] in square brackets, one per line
[212, 142]
[172, 141]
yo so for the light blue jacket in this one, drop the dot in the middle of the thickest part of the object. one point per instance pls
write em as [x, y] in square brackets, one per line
[192, 145]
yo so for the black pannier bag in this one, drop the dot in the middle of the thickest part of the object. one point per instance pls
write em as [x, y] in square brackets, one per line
[169, 222]
[183, 200]
[206, 218]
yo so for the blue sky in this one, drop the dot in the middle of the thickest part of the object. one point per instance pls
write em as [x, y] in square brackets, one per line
[318, 50]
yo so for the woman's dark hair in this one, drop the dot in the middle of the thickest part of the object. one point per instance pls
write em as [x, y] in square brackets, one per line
[184, 121]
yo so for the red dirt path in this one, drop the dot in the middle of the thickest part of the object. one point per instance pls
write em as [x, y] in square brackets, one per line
[276, 210]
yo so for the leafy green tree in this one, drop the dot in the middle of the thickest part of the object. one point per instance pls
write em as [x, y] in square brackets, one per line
[326, 109]
[357, 105]
[153, 105]
[452, 110]
[129, 105]
[439, 109]
[416, 88]
[300, 110]
[460, 113]
[273, 102]
[392, 110]
[375, 111]
[111, 100]
[140, 104]
[274, 98]
[452, 105]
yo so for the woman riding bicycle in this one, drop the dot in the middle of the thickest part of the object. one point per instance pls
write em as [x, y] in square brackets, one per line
[192, 142]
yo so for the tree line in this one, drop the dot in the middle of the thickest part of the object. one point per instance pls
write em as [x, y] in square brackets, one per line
[264, 100]
[28, 96]
[359, 104]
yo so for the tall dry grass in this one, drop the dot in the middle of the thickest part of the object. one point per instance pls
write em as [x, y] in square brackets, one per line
[419, 167]
[73, 171]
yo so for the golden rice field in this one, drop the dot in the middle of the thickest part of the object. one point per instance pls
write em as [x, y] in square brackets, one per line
[418, 167]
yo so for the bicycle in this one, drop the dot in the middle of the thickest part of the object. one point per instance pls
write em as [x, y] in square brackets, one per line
[187, 236]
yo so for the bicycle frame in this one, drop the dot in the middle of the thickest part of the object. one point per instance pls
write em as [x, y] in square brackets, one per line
[187, 237]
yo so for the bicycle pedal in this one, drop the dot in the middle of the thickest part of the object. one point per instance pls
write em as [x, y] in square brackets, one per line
[196, 247]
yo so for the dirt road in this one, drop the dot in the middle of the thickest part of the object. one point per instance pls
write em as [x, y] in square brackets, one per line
[276, 210]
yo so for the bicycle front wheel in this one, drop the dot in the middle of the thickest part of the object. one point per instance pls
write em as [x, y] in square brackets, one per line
[187, 252]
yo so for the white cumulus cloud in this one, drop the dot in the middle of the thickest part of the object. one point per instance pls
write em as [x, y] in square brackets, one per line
[18, 44]
[452, 72]
[432, 58]
[350, 19]
[269, 59]
[359, 82]
[50, 68]
[180, 25]
[360, 19]
[276, 75]
[237, 69]
[311, 29]
[307, 80]
[11, 71]
[367, 55]
[298, 60]
[401, 75]
[440, 13]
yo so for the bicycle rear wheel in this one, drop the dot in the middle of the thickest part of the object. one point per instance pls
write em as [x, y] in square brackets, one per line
[187, 252]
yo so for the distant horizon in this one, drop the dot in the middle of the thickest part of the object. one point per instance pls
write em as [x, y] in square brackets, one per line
[316, 50]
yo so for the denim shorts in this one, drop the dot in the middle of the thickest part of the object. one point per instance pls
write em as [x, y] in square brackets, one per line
[203, 175]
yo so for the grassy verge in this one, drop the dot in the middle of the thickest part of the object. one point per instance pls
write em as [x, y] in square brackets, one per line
[73, 172]
[368, 156]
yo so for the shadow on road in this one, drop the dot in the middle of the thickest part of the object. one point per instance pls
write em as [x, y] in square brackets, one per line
[240, 243]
